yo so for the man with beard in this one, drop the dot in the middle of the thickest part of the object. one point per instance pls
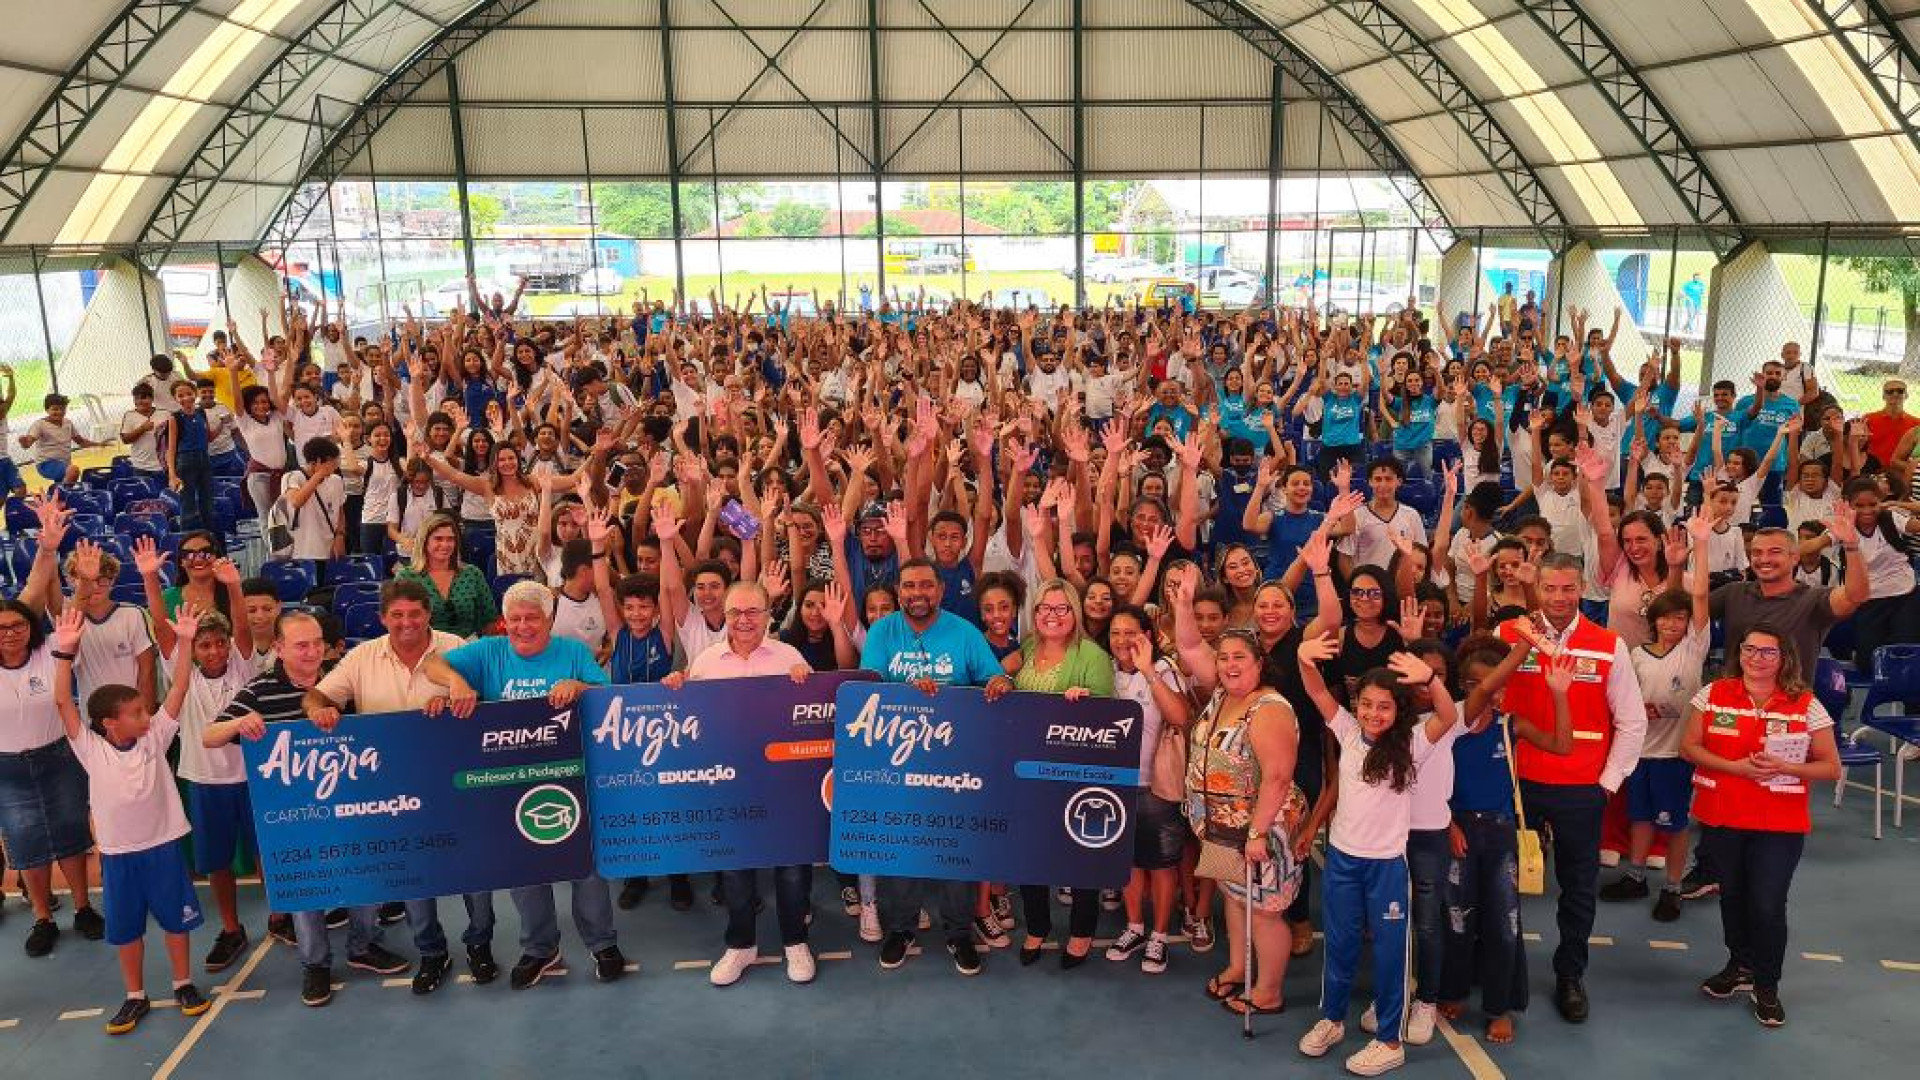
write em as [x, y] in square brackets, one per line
[1760, 415]
[929, 647]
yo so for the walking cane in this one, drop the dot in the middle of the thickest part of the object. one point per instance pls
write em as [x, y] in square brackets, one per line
[1246, 993]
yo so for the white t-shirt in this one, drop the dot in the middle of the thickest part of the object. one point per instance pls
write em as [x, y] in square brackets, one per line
[1370, 821]
[27, 702]
[319, 424]
[1102, 391]
[1667, 683]
[1889, 571]
[694, 635]
[1462, 569]
[1134, 686]
[51, 441]
[1727, 551]
[1433, 782]
[1570, 526]
[581, 620]
[110, 651]
[206, 696]
[378, 486]
[266, 441]
[1802, 507]
[1606, 442]
[1372, 539]
[134, 802]
[143, 453]
[314, 521]
[220, 424]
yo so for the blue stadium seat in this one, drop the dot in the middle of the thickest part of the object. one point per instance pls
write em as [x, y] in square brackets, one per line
[291, 580]
[342, 571]
[360, 620]
[1766, 516]
[135, 594]
[20, 517]
[353, 592]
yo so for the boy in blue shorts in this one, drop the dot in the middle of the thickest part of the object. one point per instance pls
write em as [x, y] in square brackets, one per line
[138, 823]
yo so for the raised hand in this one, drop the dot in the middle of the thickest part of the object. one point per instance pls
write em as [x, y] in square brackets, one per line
[1412, 670]
[896, 525]
[186, 622]
[774, 580]
[666, 523]
[599, 525]
[1411, 625]
[1676, 545]
[53, 520]
[226, 572]
[86, 561]
[1592, 465]
[1317, 552]
[834, 523]
[1158, 541]
[1700, 529]
[1318, 650]
[1343, 478]
[1344, 504]
[833, 604]
[148, 558]
[68, 629]
[1841, 524]
[1478, 560]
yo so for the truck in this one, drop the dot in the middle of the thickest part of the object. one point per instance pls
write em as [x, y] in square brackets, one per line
[551, 275]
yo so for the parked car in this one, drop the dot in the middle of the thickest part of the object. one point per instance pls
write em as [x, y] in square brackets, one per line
[602, 281]
[1345, 296]
[1127, 269]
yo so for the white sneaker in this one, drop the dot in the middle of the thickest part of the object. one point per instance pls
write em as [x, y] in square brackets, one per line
[732, 964]
[1420, 1023]
[1369, 1020]
[870, 921]
[799, 963]
[1375, 1058]
[1322, 1037]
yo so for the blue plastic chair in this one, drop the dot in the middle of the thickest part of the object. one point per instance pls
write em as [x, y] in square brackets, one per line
[292, 580]
[1423, 496]
[344, 571]
[356, 592]
[361, 620]
[1766, 516]
[123, 593]
[20, 517]
[1896, 681]
[1830, 686]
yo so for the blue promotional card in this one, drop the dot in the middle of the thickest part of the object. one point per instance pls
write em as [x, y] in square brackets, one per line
[1031, 789]
[730, 774]
[400, 806]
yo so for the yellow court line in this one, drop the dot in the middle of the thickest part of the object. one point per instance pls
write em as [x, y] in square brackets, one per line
[1828, 957]
[1679, 946]
[1471, 1053]
[401, 981]
[4, 1024]
[1599, 940]
[81, 1014]
[200, 1026]
[835, 956]
[1899, 965]
[691, 965]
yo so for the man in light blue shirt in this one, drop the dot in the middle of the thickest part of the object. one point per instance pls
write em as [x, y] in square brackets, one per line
[1760, 415]
[930, 648]
[529, 662]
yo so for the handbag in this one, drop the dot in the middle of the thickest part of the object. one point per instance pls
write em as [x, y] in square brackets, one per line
[1531, 862]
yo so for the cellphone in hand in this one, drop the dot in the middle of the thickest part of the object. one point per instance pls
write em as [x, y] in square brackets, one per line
[743, 525]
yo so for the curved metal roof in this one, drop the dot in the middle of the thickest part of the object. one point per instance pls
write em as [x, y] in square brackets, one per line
[185, 121]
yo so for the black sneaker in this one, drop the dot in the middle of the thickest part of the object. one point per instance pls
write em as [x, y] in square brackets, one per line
[1667, 907]
[850, 900]
[893, 951]
[531, 969]
[1767, 1008]
[336, 918]
[88, 923]
[966, 958]
[392, 912]
[631, 893]
[227, 947]
[431, 973]
[132, 1011]
[316, 986]
[1129, 942]
[191, 1001]
[986, 930]
[480, 964]
[609, 964]
[1625, 887]
[1732, 979]
[679, 893]
[1570, 997]
[40, 939]
[378, 960]
[280, 928]
[1695, 886]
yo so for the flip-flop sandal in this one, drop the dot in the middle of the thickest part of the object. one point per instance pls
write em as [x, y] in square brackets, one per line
[1242, 1006]
[1223, 991]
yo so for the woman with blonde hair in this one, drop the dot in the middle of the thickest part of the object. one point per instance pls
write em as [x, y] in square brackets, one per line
[460, 599]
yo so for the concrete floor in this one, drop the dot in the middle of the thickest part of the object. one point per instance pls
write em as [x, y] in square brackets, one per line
[1852, 989]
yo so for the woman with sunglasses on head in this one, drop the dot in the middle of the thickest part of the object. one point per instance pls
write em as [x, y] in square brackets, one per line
[1058, 658]
[1757, 739]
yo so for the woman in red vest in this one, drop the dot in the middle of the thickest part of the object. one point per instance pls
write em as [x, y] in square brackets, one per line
[1757, 739]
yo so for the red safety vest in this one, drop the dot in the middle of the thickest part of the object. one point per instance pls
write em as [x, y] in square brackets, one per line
[1526, 695]
[1733, 727]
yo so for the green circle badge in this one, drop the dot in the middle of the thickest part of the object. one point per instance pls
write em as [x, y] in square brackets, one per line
[547, 814]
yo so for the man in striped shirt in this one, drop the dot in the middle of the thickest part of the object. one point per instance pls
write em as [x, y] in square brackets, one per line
[275, 697]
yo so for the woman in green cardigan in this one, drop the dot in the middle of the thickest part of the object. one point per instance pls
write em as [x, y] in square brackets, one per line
[1058, 658]
[462, 601]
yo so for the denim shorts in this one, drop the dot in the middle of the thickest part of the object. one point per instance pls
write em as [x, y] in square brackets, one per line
[1161, 836]
[43, 805]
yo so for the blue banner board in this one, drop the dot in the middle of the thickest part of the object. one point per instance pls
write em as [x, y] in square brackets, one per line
[729, 774]
[1029, 790]
[400, 806]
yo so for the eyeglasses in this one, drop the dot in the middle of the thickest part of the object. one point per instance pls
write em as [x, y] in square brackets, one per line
[745, 612]
[1895, 391]
[1367, 594]
[1760, 652]
[1053, 611]
[196, 553]
[14, 628]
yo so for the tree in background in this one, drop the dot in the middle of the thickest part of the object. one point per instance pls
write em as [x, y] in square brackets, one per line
[484, 212]
[647, 209]
[1902, 277]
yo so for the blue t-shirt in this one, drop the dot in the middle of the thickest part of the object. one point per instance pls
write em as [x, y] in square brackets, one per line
[1417, 430]
[867, 572]
[1483, 400]
[1285, 535]
[1340, 419]
[1729, 438]
[1481, 780]
[193, 432]
[1661, 401]
[951, 651]
[956, 590]
[1179, 417]
[1757, 433]
[639, 660]
[1235, 490]
[497, 673]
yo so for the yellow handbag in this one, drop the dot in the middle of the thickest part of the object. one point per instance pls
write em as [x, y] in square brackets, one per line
[1531, 862]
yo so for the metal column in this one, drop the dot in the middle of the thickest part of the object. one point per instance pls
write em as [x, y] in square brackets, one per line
[460, 165]
[673, 149]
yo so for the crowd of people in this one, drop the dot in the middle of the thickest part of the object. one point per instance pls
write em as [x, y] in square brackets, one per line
[1395, 596]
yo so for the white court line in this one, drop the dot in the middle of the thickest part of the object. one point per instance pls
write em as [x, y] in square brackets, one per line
[81, 1014]
[1899, 965]
[1678, 946]
[401, 981]
[246, 995]
[1528, 935]
[1888, 792]
[834, 956]
[763, 961]
[1828, 957]
[5, 1024]
[1599, 940]
[206, 1019]
[1471, 1053]
[691, 965]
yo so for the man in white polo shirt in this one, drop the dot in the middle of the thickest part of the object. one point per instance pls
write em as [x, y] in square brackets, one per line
[746, 652]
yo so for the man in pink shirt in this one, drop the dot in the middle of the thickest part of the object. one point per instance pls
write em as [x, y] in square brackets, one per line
[744, 653]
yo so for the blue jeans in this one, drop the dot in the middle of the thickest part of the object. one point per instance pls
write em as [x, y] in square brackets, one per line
[1361, 896]
[792, 893]
[310, 931]
[195, 471]
[1428, 853]
[540, 925]
[1483, 939]
[1756, 870]
[428, 937]
[900, 900]
[1573, 813]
